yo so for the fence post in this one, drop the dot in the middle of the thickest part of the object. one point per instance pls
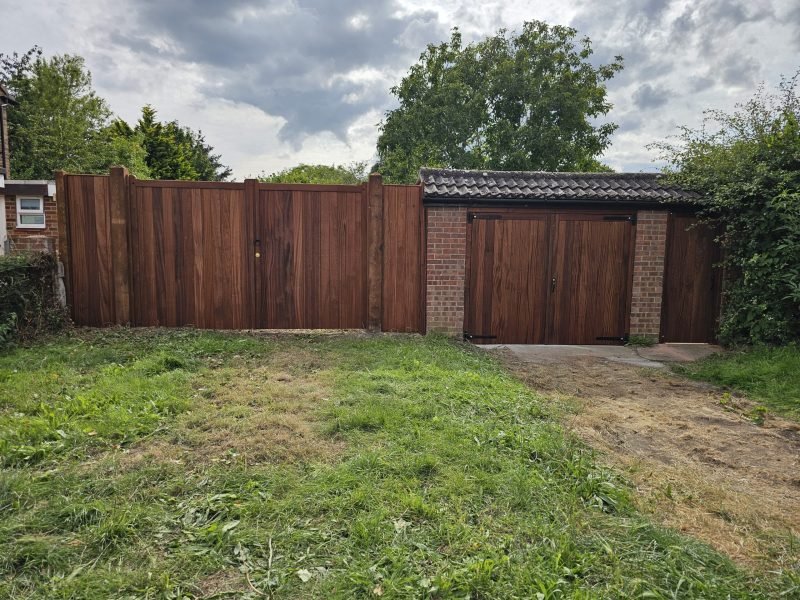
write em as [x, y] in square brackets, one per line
[63, 250]
[375, 252]
[118, 195]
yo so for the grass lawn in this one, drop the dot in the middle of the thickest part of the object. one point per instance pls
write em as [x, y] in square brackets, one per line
[180, 464]
[770, 376]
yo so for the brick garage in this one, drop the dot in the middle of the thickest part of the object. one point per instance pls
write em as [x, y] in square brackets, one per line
[557, 258]
[33, 236]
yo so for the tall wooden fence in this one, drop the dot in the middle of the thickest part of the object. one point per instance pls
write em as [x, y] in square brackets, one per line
[242, 255]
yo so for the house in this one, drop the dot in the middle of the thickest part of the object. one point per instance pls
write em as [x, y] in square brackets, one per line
[27, 207]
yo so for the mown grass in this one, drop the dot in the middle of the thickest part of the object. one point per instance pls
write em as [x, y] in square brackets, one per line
[770, 376]
[425, 470]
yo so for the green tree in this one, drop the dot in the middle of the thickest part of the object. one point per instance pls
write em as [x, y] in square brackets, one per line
[59, 121]
[175, 152]
[521, 102]
[326, 174]
[745, 167]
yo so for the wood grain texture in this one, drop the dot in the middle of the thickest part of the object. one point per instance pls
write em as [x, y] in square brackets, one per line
[692, 286]
[118, 197]
[507, 282]
[312, 272]
[88, 218]
[403, 259]
[190, 257]
[539, 276]
[591, 262]
[375, 247]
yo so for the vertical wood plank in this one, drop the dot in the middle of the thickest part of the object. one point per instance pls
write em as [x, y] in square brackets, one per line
[375, 252]
[118, 193]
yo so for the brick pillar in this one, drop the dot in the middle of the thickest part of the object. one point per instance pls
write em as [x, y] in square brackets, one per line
[648, 273]
[446, 256]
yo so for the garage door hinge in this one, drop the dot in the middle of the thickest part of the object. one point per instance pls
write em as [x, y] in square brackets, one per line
[474, 336]
[486, 217]
[612, 338]
[631, 218]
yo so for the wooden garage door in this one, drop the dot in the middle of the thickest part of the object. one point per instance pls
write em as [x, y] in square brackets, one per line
[539, 277]
[692, 285]
[590, 282]
[508, 273]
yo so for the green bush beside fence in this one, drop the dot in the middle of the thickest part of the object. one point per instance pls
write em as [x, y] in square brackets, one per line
[29, 304]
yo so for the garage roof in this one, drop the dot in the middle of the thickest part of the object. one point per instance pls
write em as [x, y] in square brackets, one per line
[543, 186]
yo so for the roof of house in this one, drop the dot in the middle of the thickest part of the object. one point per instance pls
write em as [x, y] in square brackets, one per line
[542, 186]
[5, 96]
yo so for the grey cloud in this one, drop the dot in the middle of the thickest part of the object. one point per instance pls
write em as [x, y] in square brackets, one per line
[741, 71]
[647, 96]
[284, 57]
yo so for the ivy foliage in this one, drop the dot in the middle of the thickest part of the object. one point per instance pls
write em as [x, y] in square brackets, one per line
[745, 166]
[29, 303]
[532, 100]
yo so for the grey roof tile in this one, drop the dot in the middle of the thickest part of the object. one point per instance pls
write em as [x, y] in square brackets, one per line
[456, 184]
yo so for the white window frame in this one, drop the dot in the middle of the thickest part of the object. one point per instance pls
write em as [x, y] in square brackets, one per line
[22, 211]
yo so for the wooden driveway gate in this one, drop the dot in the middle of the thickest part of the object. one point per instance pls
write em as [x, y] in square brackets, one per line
[548, 277]
[241, 255]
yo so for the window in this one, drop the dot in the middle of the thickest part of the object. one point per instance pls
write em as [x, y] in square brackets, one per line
[30, 213]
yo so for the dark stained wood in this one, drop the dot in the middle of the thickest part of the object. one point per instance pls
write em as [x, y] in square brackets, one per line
[690, 305]
[88, 218]
[312, 272]
[191, 257]
[403, 259]
[591, 259]
[118, 196]
[375, 248]
[507, 288]
[543, 276]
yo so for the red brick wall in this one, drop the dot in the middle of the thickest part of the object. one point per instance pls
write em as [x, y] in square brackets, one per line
[648, 272]
[32, 239]
[446, 257]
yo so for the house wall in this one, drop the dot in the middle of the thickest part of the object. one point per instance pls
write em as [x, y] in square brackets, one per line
[446, 268]
[38, 240]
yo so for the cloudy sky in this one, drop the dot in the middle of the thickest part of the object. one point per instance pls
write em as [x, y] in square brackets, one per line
[274, 83]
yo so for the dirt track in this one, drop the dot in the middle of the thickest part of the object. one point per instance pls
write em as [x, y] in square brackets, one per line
[699, 463]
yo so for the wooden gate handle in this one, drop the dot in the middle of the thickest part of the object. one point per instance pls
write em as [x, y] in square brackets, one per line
[553, 284]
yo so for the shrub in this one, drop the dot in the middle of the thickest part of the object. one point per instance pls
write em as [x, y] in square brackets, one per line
[745, 167]
[29, 303]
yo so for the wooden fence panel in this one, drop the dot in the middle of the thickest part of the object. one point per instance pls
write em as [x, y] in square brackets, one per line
[242, 255]
[191, 256]
[91, 274]
[403, 259]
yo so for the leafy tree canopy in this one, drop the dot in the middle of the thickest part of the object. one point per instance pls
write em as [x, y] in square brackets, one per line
[172, 151]
[527, 101]
[745, 165]
[61, 123]
[327, 174]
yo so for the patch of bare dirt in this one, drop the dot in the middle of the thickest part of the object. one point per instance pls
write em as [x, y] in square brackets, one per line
[255, 413]
[699, 464]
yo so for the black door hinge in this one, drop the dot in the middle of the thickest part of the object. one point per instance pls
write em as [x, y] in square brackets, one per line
[612, 338]
[630, 218]
[474, 336]
[486, 217]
